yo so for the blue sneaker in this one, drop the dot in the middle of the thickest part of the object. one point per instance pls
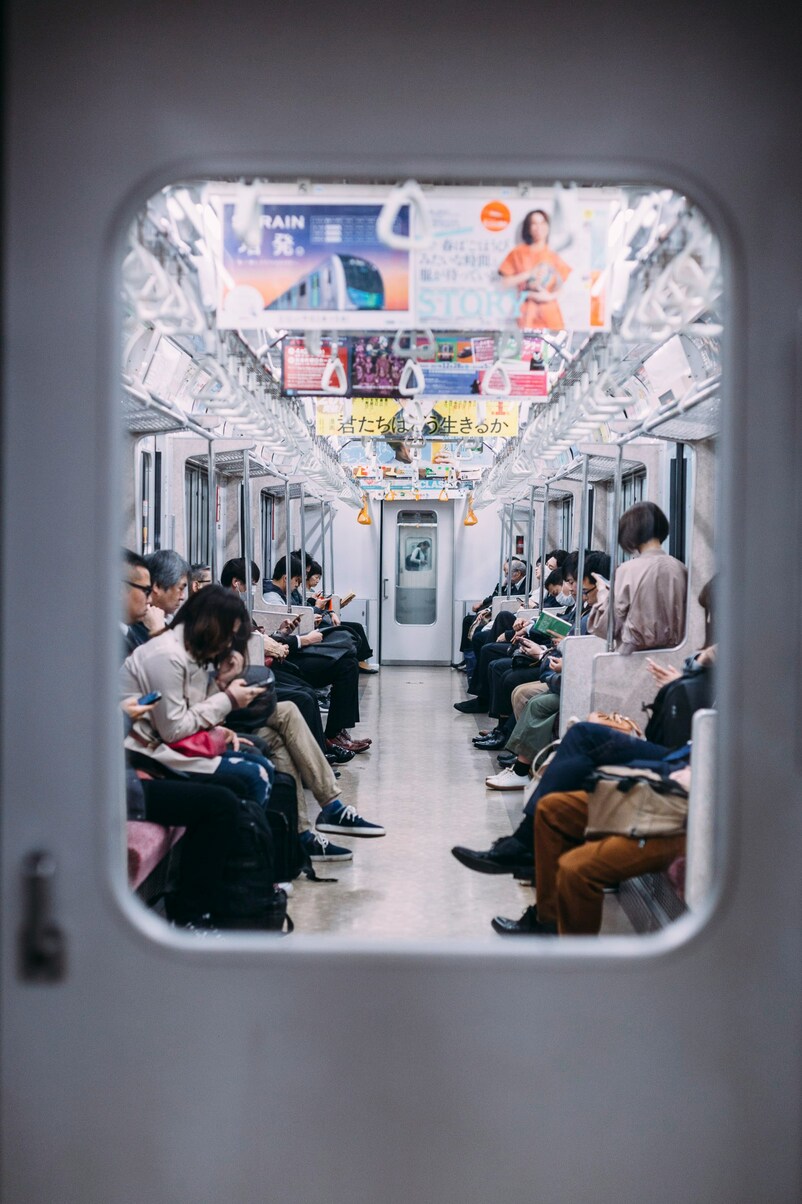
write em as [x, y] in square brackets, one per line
[336, 818]
[320, 848]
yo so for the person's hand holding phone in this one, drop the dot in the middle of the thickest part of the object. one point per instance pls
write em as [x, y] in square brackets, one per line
[242, 694]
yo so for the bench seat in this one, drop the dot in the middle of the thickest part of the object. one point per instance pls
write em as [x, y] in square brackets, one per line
[148, 844]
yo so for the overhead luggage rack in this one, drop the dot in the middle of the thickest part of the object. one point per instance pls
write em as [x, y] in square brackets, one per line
[600, 468]
[141, 419]
[229, 464]
[701, 422]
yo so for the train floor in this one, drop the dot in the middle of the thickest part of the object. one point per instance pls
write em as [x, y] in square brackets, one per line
[425, 782]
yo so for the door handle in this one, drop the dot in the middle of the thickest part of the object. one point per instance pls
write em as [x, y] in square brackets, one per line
[385, 595]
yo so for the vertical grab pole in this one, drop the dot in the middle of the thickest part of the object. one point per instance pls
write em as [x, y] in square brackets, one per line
[616, 515]
[510, 546]
[287, 540]
[501, 550]
[530, 531]
[211, 550]
[583, 539]
[324, 576]
[303, 541]
[247, 542]
[331, 545]
[543, 536]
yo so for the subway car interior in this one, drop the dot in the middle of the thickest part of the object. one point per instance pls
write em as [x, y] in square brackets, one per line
[423, 390]
[401, 653]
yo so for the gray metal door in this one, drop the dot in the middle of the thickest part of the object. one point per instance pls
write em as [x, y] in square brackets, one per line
[417, 582]
[565, 1072]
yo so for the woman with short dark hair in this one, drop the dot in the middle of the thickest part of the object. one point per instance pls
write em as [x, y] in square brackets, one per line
[650, 589]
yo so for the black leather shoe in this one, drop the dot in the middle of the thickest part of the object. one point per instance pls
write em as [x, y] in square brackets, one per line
[495, 740]
[335, 755]
[506, 758]
[461, 665]
[528, 925]
[472, 706]
[505, 856]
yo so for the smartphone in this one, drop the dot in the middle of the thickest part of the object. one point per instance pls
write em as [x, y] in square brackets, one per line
[147, 699]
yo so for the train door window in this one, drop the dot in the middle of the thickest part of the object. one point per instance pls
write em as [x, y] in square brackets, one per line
[196, 510]
[268, 532]
[157, 502]
[145, 494]
[567, 522]
[633, 489]
[678, 502]
[416, 568]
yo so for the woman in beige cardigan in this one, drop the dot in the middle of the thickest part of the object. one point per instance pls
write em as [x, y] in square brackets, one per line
[650, 589]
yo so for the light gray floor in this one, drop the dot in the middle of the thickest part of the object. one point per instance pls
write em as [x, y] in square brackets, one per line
[423, 781]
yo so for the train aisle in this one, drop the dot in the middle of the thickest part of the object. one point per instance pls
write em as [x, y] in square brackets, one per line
[423, 781]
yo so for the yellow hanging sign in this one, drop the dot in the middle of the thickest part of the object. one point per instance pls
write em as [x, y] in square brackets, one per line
[368, 416]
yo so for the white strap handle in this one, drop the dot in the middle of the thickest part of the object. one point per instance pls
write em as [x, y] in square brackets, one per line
[490, 390]
[412, 381]
[313, 342]
[334, 370]
[428, 348]
[407, 194]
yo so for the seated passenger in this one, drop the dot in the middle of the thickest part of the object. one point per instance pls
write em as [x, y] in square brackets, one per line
[485, 604]
[290, 686]
[135, 600]
[318, 602]
[169, 574]
[323, 662]
[200, 575]
[573, 873]
[650, 590]
[175, 665]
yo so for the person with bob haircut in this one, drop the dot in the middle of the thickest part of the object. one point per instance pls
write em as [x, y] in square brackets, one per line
[650, 590]
[177, 665]
[538, 273]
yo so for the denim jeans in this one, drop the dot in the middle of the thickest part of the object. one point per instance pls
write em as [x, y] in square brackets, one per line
[247, 773]
[582, 748]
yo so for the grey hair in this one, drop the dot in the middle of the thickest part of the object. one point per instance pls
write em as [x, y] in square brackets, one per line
[517, 566]
[166, 568]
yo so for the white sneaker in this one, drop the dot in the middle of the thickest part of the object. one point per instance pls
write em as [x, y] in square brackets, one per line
[287, 887]
[508, 779]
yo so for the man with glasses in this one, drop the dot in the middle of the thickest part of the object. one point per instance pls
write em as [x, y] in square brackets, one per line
[135, 600]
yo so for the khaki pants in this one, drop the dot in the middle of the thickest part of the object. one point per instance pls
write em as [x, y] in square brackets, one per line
[521, 695]
[294, 750]
[571, 873]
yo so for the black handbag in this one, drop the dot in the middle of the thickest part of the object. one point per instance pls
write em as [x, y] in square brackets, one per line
[254, 716]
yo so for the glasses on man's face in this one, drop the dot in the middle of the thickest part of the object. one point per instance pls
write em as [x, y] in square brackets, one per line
[588, 589]
[147, 590]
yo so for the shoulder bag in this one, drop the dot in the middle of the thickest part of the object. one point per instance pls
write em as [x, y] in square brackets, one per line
[626, 801]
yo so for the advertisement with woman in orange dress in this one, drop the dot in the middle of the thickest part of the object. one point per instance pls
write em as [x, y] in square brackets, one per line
[539, 273]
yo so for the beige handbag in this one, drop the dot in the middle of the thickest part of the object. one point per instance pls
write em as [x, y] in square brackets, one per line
[624, 801]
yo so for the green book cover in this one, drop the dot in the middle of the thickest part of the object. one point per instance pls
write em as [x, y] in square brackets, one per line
[553, 624]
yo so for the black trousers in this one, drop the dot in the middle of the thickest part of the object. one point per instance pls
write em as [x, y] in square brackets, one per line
[503, 680]
[292, 688]
[480, 680]
[363, 649]
[209, 814]
[343, 677]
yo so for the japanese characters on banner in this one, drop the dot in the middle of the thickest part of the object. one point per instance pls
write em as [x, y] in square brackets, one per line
[319, 264]
[376, 416]
[538, 261]
[454, 368]
[533, 261]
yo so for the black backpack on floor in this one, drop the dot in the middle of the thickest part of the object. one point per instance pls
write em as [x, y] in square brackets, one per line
[671, 713]
[246, 895]
[289, 856]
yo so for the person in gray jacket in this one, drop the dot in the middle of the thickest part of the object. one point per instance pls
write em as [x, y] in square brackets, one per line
[650, 590]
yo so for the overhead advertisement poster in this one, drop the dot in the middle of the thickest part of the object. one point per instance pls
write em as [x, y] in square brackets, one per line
[302, 372]
[537, 262]
[319, 264]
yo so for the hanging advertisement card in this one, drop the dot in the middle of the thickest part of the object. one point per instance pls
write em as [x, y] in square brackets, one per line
[530, 260]
[491, 416]
[361, 416]
[302, 372]
[319, 265]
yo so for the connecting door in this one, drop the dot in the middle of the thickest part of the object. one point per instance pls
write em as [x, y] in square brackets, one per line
[417, 573]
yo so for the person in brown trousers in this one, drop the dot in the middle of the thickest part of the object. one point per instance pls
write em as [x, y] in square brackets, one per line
[572, 872]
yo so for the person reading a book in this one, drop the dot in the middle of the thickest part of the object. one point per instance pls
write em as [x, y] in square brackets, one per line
[534, 728]
[321, 603]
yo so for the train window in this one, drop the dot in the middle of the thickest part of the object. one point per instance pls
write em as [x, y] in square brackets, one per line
[416, 568]
[196, 498]
[408, 386]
